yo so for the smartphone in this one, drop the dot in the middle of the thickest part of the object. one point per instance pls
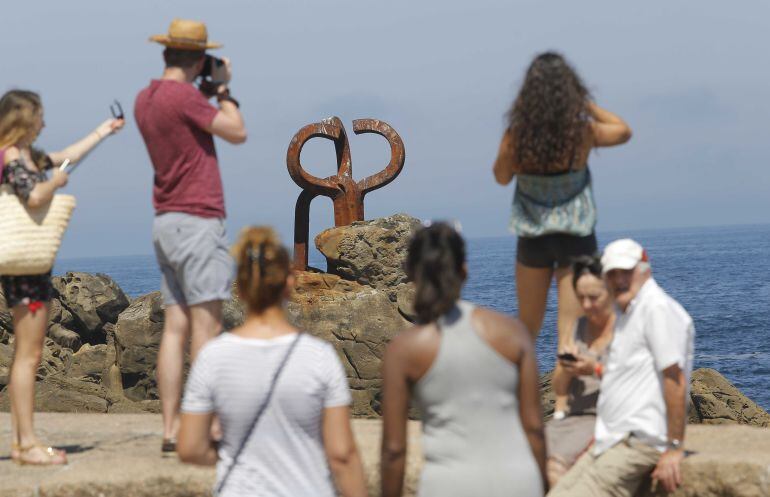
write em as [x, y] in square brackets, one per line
[567, 357]
[67, 167]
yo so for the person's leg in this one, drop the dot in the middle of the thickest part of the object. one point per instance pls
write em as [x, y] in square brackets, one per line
[568, 482]
[29, 330]
[206, 320]
[618, 472]
[532, 284]
[568, 308]
[176, 334]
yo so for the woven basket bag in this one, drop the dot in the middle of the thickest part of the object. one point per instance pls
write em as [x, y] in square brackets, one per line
[30, 238]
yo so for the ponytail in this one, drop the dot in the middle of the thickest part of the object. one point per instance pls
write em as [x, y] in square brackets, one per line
[434, 264]
[263, 268]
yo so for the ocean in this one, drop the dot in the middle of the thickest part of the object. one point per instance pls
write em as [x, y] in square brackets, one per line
[721, 275]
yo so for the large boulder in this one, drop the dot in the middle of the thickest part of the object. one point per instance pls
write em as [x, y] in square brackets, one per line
[88, 362]
[370, 252]
[716, 401]
[358, 320]
[137, 339]
[93, 300]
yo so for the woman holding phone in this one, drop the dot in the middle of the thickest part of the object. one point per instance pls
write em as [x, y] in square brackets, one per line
[24, 170]
[576, 383]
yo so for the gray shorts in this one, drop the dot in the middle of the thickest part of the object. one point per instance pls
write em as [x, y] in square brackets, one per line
[193, 258]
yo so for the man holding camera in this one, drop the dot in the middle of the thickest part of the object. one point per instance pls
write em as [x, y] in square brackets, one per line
[178, 125]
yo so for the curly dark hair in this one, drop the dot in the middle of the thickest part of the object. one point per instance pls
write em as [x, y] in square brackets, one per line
[548, 120]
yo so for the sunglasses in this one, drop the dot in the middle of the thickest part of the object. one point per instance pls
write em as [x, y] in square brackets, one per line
[117, 110]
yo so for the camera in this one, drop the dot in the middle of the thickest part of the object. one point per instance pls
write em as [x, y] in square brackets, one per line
[209, 65]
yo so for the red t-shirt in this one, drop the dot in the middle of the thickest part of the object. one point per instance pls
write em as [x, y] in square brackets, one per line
[172, 117]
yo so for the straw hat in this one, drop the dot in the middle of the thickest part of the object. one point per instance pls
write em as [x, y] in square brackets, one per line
[184, 34]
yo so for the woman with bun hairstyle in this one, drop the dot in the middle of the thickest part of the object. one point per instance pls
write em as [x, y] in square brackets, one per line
[553, 125]
[473, 374]
[23, 169]
[280, 395]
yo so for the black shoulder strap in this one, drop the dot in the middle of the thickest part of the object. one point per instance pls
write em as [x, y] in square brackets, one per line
[260, 411]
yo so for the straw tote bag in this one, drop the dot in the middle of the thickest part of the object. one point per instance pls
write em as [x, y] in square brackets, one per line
[30, 238]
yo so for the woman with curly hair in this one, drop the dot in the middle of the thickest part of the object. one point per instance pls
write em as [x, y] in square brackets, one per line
[23, 168]
[552, 127]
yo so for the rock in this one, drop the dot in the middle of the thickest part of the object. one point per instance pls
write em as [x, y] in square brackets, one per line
[89, 362]
[405, 301]
[716, 401]
[233, 312]
[59, 314]
[358, 320]
[112, 380]
[370, 252]
[137, 338]
[6, 320]
[60, 394]
[64, 337]
[92, 300]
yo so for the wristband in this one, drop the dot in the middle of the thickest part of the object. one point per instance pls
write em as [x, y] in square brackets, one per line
[598, 369]
[225, 95]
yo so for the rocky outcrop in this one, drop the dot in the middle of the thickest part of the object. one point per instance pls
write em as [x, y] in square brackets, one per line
[91, 300]
[716, 401]
[137, 339]
[359, 320]
[370, 252]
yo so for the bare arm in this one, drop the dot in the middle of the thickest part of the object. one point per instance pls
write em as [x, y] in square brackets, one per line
[530, 409]
[82, 147]
[668, 469]
[608, 129]
[342, 453]
[395, 406]
[504, 164]
[194, 444]
[228, 123]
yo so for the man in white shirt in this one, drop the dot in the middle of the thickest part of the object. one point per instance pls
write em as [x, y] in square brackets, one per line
[641, 412]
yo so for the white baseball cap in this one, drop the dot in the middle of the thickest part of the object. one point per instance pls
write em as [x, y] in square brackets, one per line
[622, 254]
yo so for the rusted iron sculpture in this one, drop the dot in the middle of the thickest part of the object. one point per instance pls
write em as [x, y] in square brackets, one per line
[348, 195]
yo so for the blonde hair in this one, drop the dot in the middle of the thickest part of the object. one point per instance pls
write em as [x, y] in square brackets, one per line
[263, 267]
[19, 110]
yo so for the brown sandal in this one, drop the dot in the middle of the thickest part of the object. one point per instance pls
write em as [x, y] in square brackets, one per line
[52, 457]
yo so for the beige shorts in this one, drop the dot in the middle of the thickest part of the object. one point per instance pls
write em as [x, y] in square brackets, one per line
[618, 472]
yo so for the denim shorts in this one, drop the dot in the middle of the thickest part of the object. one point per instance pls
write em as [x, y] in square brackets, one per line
[554, 250]
[193, 257]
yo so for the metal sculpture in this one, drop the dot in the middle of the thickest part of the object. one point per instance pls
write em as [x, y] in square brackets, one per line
[347, 194]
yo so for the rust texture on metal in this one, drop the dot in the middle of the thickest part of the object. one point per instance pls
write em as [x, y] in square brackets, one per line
[347, 194]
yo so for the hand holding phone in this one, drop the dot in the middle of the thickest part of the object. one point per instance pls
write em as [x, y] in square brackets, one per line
[567, 357]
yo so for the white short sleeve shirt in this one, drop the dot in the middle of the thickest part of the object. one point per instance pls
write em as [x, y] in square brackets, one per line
[285, 455]
[654, 333]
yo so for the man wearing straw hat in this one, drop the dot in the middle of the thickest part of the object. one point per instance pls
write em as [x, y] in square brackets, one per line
[178, 125]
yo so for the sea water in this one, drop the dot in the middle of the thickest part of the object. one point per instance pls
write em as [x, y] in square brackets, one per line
[720, 275]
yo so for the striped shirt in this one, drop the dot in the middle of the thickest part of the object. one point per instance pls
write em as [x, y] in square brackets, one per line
[285, 454]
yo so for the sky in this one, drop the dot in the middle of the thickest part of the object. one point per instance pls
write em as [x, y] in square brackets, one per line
[692, 78]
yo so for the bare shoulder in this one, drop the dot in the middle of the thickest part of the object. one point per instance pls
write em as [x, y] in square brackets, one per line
[413, 350]
[506, 334]
[410, 339]
[11, 153]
